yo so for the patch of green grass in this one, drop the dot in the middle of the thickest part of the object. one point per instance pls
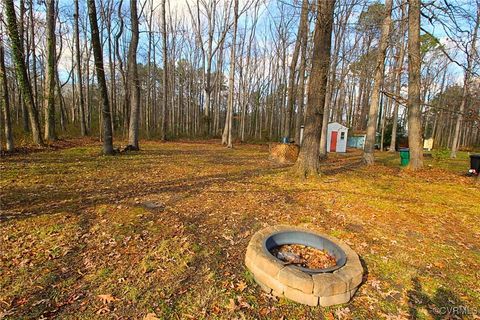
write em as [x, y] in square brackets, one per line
[392, 270]
[104, 273]
[132, 293]
[248, 277]
[101, 210]
[191, 227]
[197, 248]
[338, 233]
[48, 278]
[306, 219]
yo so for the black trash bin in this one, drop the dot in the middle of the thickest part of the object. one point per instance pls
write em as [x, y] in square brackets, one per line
[475, 163]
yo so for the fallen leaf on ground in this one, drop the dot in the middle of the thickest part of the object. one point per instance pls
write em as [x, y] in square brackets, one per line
[103, 310]
[231, 305]
[330, 316]
[107, 298]
[242, 303]
[151, 316]
[241, 286]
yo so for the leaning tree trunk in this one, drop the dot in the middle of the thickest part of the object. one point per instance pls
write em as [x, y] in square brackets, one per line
[99, 67]
[308, 159]
[413, 104]
[21, 70]
[7, 122]
[49, 96]
[378, 82]
[135, 84]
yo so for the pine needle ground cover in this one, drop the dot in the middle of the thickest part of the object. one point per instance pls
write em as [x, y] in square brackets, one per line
[161, 233]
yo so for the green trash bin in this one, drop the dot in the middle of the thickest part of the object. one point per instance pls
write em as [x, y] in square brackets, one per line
[404, 156]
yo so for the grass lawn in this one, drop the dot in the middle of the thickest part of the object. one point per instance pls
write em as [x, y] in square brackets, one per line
[163, 232]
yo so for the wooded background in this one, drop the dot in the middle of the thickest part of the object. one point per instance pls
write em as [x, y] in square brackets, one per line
[240, 70]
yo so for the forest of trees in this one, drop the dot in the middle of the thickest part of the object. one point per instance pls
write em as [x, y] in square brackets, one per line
[243, 70]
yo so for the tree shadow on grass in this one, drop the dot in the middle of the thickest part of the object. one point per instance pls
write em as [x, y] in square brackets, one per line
[71, 200]
[67, 198]
[330, 169]
[443, 304]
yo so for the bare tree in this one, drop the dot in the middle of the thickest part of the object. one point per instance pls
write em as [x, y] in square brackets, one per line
[133, 78]
[49, 96]
[378, 82]
[23, 81]
[466, 84]
[7, 123]
[99, 67]
[227, 131]
[400, 57]
[414, 79]
[302, 28]
[83, 126]
[308, 160]
[163, 128]
[208, 53]
[345, 9]
[261, 96]
[301, 84]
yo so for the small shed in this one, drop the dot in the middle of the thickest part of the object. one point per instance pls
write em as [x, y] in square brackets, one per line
[428, 144]
[336, 137]
[357, 140]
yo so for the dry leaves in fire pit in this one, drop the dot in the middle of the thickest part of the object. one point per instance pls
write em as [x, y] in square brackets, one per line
[304, 256]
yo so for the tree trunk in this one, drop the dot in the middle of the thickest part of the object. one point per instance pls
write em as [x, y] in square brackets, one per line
[99, 67]
[398, 87]
[414, 78]
[33, 45]
[83, 126]
[49, 96]
[17, 55]
[227, 131]
[163, 128]
[308, 159]
[301, 92]
[121, 68]
[378, 83]
[301, 85]
[466, 85]
[323, 153]
[23, 34]
[302, 28]
[133, 75]
[398, 79]
[148, 96]
[7, 123]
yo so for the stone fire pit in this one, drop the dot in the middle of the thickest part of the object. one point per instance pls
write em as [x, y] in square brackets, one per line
[325, 287]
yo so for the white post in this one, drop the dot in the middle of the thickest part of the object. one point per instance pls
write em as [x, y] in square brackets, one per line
[301, 135]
